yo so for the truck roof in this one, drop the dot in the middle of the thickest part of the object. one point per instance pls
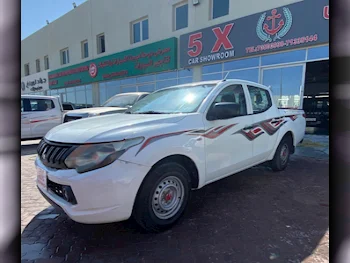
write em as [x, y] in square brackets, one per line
[28, 96]
[215, 82]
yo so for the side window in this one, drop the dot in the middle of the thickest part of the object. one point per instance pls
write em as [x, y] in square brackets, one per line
[41, 105]
[261, 100]
[233, 97]
[22, 106]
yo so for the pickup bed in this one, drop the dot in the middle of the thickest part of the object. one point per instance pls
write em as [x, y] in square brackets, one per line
[144, 162]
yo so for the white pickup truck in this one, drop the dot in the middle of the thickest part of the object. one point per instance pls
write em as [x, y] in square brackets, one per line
[144, 162]
[39, 114]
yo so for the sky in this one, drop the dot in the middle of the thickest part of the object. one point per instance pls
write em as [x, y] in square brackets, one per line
[34, 13]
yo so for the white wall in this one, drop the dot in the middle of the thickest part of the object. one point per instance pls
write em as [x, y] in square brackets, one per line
[113, 18]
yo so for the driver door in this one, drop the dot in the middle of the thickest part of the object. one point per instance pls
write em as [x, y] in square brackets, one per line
[227, 149]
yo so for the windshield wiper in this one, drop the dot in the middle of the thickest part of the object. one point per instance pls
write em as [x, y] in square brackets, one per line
[149, 112]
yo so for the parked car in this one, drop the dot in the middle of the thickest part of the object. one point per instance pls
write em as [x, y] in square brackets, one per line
[117, 104]
[39, 114]
[144, 162]
[67, 106]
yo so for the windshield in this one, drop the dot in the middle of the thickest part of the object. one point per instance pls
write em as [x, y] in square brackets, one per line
[122, 101]
[186, 99]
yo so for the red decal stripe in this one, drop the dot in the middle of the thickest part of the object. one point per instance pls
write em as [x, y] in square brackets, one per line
[158, 137]
[36, 121]
[215, 133]
[256, 130]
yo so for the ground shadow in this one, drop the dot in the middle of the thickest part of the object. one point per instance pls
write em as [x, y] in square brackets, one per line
[255, 216]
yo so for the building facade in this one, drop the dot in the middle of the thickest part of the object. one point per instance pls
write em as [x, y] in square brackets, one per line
[101, 48]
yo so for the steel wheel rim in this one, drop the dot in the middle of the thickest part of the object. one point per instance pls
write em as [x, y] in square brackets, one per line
[284, 154]
[168, 197]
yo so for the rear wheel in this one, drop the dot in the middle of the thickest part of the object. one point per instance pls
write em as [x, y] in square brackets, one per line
[282, 154]
[163, 197]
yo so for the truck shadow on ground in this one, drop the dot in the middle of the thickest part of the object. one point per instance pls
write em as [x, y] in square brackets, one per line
[254, 216]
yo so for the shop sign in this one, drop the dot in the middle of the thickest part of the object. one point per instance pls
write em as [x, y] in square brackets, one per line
[35, 82]
[151, 58]
[297, 25]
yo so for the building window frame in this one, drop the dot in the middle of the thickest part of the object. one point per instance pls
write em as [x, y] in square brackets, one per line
[142, 37]
[211, 16]
[64, 55]
[26, 69]
[101, 46]
[46, 62]
[175, 8]
[37, 65]
[84, 49]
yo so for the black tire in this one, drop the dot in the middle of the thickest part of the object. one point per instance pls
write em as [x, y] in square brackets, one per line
[279, 163]
[143, 212]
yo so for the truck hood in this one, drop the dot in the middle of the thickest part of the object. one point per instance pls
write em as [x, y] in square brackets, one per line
[113, 127]
[96, 110]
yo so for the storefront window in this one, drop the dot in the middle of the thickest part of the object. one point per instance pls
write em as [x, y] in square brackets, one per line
[71, 95]
[89, 99]
[248, 74]
[318, 53]
[103, 93]
[165, 84]
[185, 80]
[185, 73]
[112, 84]
[167, 75]
[241, 64]
[128, 81]
[80, 95]
[212, 68]
[53, 92]
[128, 89]
[146, 88]
[285, 84]
[148, 78]
[285, 57]
[112, 88]
[216, 76]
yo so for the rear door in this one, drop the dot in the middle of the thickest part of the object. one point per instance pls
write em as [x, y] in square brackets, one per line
[45, 115]
[266, 123]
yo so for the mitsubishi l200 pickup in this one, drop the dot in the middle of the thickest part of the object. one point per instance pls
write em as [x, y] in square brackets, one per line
[144, 163]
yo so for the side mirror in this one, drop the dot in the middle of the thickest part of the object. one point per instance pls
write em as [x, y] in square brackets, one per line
[223, 111]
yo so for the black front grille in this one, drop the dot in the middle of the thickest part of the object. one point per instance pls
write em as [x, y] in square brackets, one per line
[53, 154]
[71, 118]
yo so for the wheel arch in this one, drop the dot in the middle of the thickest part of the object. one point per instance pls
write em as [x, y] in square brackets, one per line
[287, 133]
[186, 161]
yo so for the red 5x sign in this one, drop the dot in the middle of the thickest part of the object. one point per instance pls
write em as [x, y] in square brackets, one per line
[326, 12]
[195, 44]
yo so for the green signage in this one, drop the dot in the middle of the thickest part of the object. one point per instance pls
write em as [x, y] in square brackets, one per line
[151, 58]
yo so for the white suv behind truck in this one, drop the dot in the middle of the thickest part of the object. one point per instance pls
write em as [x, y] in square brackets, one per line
[145, 162]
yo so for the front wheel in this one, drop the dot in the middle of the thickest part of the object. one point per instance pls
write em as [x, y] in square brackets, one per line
[163, 197]
[282, 154]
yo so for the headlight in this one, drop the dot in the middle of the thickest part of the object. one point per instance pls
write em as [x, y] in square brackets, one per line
[93, 156]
